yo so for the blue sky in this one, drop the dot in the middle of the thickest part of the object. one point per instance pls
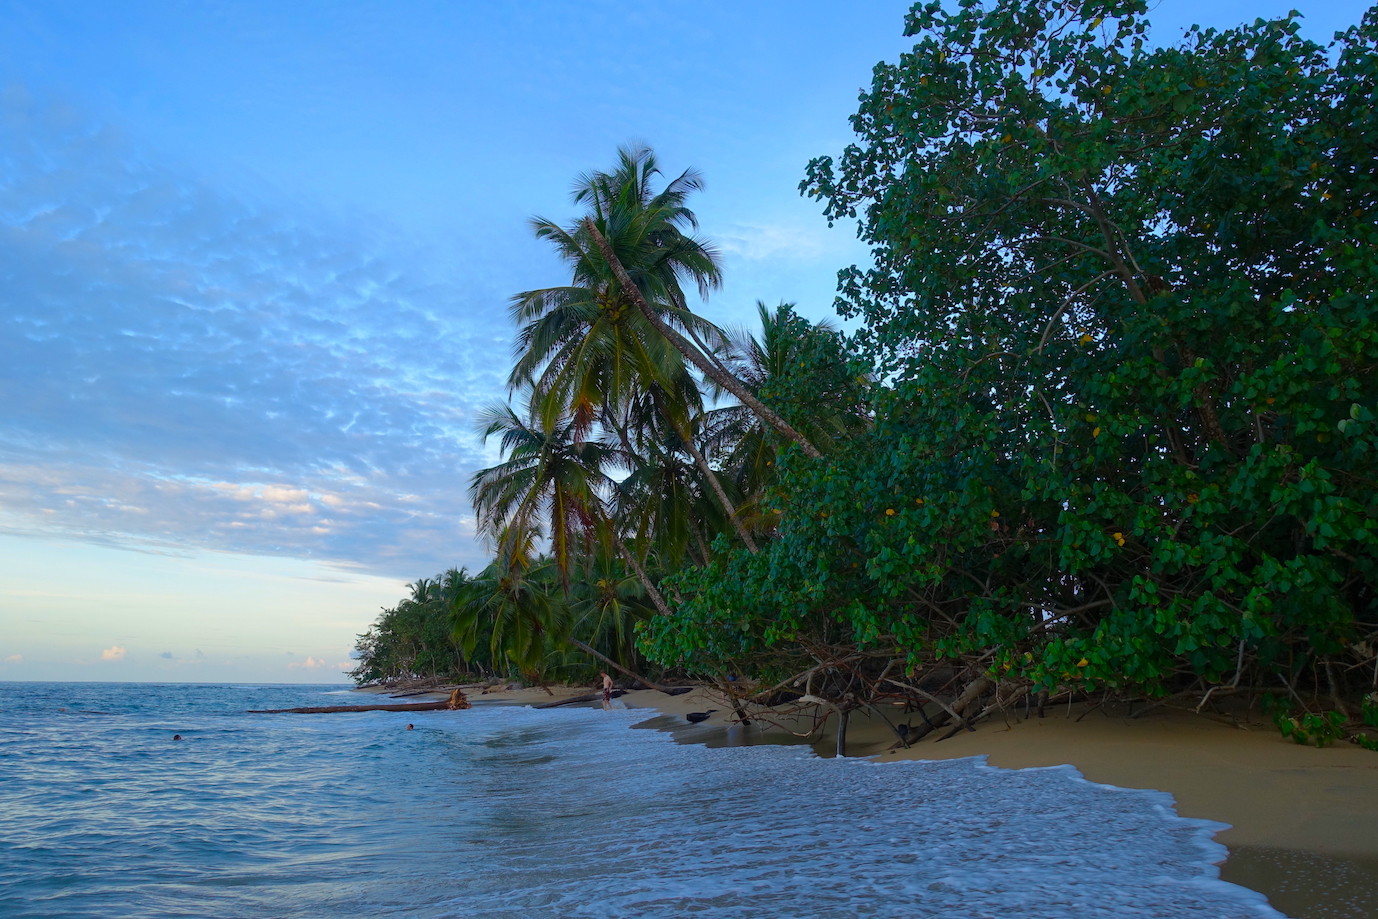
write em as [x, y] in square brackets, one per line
[256, 259]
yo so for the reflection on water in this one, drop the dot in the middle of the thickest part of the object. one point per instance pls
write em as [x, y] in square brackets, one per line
[506, 812]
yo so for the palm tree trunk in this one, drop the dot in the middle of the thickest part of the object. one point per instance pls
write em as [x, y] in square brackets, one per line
[655, 595]
[698, 541]
[726, 380]
[614, 664]
[712, 477]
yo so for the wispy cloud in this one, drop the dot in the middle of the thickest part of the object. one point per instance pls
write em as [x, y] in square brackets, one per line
[787, 241]
[15, 659]
[317, 663]
[181, 367]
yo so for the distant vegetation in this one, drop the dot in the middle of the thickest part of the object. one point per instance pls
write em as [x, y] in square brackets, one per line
[1106, 426]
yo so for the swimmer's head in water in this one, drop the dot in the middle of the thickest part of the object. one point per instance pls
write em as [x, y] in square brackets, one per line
[176, 736]
[410, 727]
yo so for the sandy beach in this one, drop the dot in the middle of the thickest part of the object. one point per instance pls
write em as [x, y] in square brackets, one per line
[1271, 791]
[1303, 821]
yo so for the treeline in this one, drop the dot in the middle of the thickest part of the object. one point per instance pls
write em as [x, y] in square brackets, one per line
[414, 640]
[458, 627]
[1105, 427]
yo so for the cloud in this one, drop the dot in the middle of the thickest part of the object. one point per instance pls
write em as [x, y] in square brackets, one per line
[185, 367]
[15, 659]
[113, 653]
[167, 655]
[310, 663]
[804, 241]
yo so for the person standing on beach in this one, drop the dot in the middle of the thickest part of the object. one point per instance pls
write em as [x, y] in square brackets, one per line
[607, 690]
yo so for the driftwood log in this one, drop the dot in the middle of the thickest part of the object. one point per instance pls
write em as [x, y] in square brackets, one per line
[456, 702]
[586, 697]
[332, 709]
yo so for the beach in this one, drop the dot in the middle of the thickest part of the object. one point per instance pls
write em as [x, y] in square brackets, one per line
[506, 811]
[1303, 821]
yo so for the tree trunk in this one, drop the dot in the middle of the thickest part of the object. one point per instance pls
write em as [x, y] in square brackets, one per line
[655, 595]
[959, 705]
[692, 354]
[843, 716]
[614, 664]
[702, 462]
[702, 544]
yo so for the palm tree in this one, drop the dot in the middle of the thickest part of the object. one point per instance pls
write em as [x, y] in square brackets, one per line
[515, 600]
[661, 503]
[696, 353]
[585, 348]
[606, 605]
[748, 447]
[643, 247]
[584, 345]
[549, 477]
[549, 481]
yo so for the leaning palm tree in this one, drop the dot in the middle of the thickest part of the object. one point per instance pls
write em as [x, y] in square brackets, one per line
[634, 246]
[585, 348]
[582, 346]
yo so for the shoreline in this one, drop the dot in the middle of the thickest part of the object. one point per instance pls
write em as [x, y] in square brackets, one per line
[1303, 822]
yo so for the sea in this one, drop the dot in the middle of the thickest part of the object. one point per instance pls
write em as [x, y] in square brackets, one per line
[505, 812]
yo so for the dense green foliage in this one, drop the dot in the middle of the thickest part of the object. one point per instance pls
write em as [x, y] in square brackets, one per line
[414, 639]
[503, 624]
[1122, 310]
[1105, 424]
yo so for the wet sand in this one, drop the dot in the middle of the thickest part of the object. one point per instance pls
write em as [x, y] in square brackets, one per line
[1303, 822]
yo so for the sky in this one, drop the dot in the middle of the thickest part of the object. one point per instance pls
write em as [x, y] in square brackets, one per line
[255, 259]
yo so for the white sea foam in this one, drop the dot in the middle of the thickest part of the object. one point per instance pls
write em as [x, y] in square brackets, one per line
[629, 823]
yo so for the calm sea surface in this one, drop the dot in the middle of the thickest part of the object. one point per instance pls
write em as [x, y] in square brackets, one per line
[508, 812]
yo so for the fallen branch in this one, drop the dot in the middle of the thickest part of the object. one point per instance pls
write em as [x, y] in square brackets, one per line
[932, 698]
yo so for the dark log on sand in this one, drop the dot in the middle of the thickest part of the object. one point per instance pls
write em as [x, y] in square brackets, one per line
[586, 697]
[332, 709]
[596, 696]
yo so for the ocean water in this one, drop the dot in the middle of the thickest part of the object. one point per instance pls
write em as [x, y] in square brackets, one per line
[514, 812]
